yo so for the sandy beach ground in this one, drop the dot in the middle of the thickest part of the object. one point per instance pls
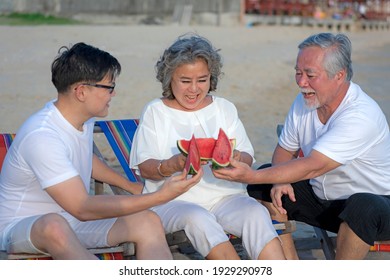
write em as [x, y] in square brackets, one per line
[258, 69]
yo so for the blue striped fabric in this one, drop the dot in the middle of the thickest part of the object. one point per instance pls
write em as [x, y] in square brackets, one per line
[119, 134]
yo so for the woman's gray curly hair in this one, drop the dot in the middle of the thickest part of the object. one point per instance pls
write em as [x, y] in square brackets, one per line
[187, 49]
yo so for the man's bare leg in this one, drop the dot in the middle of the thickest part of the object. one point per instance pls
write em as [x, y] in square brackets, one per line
[146, 231]
[52, 234]
[349, 245]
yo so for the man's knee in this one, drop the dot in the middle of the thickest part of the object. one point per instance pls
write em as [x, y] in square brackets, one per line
[51, 228]
[51, 223]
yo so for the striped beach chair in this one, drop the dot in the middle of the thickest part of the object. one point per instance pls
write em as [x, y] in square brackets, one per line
[120, 134]
[5, 142]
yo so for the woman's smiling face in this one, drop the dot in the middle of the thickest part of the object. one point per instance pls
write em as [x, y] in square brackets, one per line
[190, 85]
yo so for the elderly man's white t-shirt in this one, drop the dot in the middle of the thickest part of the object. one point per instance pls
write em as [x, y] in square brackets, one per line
[356, 136]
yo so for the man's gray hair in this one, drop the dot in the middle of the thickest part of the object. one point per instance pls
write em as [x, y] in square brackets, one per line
[338, 52]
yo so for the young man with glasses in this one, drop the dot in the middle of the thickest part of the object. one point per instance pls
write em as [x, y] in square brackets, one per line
[45, 206]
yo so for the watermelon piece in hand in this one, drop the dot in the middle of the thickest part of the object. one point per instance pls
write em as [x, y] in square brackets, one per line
[205, 147]
[193, 164]
[223, 151]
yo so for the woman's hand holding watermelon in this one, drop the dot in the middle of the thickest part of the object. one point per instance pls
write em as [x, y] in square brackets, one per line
[158, 170]
[177, 162]
[237, 155]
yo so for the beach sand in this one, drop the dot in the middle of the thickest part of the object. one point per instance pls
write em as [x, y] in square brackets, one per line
[258, 70]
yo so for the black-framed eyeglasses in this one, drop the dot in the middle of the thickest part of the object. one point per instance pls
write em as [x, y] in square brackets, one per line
[110, 88]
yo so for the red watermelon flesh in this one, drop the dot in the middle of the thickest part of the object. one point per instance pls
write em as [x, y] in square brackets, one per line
[193, 159]
[223, 151]
[205, 147]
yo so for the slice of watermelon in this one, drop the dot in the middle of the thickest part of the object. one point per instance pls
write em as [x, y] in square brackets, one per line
[193, 159]
[205, 147]
[223, 151]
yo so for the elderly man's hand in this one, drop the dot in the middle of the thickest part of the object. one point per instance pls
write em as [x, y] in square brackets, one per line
[237, 171]
[276, 195]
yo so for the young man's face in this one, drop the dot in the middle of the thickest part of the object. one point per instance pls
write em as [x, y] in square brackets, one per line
[98, 97]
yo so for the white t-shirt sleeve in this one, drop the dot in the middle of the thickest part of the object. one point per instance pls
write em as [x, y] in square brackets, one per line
[48, 158]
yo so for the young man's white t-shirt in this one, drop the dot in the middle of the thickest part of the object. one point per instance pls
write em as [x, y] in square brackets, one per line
[47, 150]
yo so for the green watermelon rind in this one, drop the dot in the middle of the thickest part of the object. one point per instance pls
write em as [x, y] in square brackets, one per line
[192, 170]
[215, 165]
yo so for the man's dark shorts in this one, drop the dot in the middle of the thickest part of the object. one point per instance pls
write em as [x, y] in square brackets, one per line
[368, 215]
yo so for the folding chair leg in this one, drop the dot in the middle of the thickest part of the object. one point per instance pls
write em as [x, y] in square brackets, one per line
[326, 243]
